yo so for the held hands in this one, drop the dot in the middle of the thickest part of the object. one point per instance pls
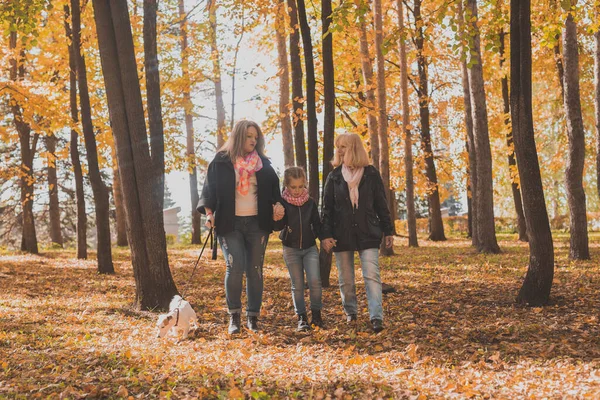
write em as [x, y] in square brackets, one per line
[389, 241]
[328, 244]
[278, 211]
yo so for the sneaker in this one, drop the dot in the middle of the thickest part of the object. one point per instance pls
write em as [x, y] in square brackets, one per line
[377, 325]
[317, 319]
[253, 323]
[302, 323]
[234, 323]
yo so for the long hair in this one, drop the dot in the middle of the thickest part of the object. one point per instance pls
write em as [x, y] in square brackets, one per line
[234, 146]
[356, 156]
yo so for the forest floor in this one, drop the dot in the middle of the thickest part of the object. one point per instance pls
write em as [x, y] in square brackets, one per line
[453, 330]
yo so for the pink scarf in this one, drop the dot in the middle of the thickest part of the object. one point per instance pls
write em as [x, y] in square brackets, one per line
[352, 176]
[245, 167]
[296, 201]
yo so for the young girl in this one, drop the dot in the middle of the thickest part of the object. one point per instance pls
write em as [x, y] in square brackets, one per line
[299, 228]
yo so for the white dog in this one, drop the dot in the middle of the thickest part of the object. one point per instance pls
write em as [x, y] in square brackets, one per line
[177, 319]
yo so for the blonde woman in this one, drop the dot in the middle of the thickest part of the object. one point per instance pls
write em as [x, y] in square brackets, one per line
[241, 198]
[356, 218]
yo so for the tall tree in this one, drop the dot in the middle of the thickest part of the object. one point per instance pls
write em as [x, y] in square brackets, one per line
[73, 146]
[154, 284]
[99, 189]
[155, 122]
[369, 84]
[384, 149]
[189, 124]
[54, 208]
[284, 85]
[411, 217]
[597, 96]
[216, 61]
[538, 281]
[484, 191]
[436, 225]
[512, 162]
[119, 206]
[28, 146]
[579, 249]
[297, 94]
[311, 108]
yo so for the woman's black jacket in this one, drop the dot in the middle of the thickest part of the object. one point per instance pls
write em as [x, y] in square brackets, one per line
[300, 226]
[361, 228]
[218, 193]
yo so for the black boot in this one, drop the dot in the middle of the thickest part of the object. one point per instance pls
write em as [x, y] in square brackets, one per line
[317, 320]
[302, 323]
[234, 323]
[351, 318]
[253, 323]
[377, 325]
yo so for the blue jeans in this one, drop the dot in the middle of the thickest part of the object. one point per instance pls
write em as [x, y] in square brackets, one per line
[369, 260]
[298, 261]
[244, 252]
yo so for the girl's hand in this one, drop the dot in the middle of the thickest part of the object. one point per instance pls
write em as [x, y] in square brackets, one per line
[389, 241]
[328, 244]
[278, 211]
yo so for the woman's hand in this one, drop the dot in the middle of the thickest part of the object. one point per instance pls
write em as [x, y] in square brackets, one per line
[328, 244]
[389, 241]
[210, 219]
[278, 211]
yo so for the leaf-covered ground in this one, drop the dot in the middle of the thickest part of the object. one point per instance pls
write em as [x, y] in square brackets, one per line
[453, 331]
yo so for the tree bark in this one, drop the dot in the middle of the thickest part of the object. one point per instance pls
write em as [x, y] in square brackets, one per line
[311, 109]
[155, 121]
[579, 248]
[119, 207]
[216, 61]
[73, 147]
[328, 89]
[384, 149]
[284, 85]
[154, 283]
[538, 281]
[28, 145]
[512, 162]
[54, 208]
[597, 98]
[188, 105]
[297, 94]
[472, 167]
[411, 216]
[436, 225]
[369, 83]
[484, 191]
[99, 189]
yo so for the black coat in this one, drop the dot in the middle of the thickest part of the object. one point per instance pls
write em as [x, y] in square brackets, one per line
[300, 226]
[218, 193]
[361, 228]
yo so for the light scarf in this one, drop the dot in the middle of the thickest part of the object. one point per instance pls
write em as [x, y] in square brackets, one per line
[296, 201]
[352, 176]
[245, 167]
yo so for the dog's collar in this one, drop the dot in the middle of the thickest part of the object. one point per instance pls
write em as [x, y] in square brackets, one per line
[177, 318]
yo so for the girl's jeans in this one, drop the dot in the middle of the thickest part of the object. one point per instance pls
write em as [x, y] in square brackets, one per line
[298, 261]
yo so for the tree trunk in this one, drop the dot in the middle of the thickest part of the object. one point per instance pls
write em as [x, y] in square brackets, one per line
[297, 96]
[512, 163]
[597, 98]
[119, 207]
[411, 216]
[328, 89]
[188, 105]
[284, 86]
[538, 281]
[154, 283]
[155, 121]
[54, 208]
[28, 145]
[212, 16]
[579, 249]
[99, 189]
[311, 109]
[73, 147]
[484, 191]
[368, 81]
[436, 225]
[384, 149]
[472, 167]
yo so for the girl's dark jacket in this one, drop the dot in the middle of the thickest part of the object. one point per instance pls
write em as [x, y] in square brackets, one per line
[361, 228]
[300, 226]
[218, 193]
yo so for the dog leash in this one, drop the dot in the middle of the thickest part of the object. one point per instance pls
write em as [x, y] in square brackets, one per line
[209, 236]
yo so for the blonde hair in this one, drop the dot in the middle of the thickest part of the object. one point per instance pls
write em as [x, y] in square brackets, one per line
[234, 146]
[293, 173]
[355, 156]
